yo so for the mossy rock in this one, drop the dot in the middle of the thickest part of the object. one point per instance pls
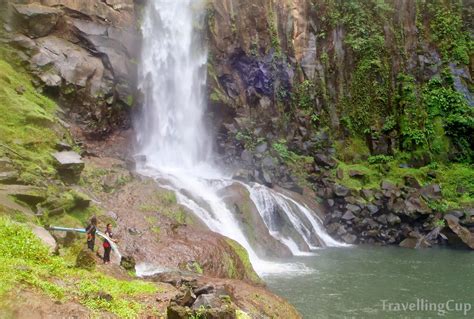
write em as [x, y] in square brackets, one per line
[243, 256]
[178, 312]
[86, 259]
[128, 262]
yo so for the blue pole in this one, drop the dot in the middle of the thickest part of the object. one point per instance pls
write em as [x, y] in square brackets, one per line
[83, 231]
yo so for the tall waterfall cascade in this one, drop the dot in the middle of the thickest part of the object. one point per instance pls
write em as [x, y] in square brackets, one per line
[172, 135]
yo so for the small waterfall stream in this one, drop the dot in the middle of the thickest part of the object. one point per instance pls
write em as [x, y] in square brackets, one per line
[172, 135]
[301, 218]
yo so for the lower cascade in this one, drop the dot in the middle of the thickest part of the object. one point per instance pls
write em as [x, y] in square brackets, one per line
[172, 135]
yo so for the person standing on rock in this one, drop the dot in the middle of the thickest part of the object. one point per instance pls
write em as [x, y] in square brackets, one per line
[90, 232]
[107, 245]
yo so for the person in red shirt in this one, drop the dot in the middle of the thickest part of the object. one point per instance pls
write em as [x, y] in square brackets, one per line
[107, 245]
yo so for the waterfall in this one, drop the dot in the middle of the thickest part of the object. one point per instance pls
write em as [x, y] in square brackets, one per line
[173, 78]
[172, 134]
[303, 220]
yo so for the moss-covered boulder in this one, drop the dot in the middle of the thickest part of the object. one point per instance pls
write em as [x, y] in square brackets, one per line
[86, 259]
[237, 199]
[239, 265]
[128, 262]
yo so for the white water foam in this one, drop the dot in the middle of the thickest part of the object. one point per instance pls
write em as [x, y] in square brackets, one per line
[146, 269]
[172, 132]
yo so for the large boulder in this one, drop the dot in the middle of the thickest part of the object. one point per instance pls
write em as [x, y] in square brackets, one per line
[341, 191]
[36, 20]
[116, 12]
[8, 174]
[69, 165]
[116, 46]
[409, 242]
[8, 177]
[462, 232]
[13, 196]
[83, 52]
[58, 61]
[237, 198]
[178, 312]
[45, 236]
[325, 161]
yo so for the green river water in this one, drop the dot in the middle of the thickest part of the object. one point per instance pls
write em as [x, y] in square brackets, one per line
[381, 282]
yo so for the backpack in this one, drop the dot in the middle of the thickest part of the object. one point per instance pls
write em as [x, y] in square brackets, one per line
[90, 231]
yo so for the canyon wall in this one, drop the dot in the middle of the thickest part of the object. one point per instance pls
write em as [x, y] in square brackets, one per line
[356, 69]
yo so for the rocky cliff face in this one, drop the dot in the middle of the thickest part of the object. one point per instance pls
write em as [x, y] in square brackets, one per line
[308, 65]
[376, 88]
[83, 53]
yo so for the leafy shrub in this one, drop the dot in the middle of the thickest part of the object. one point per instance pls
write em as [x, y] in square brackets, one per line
[281, 149]
[447, 31]
[249, 140]
[439, 223]
[304, 95]
[379, 159]
[413, 116]
[445, 103]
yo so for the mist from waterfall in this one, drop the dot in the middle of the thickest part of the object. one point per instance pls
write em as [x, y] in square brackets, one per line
[172, 132]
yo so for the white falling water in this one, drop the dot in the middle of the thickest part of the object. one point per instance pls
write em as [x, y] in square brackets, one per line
[302, 219]
[172, 131]
[173, 78]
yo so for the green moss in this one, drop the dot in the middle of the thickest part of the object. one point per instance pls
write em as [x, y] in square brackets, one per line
[457, 184]
[195, 267]
[366, 101]
[248, 139]
[91, 178]
[166, 197]
[156, 230]
[304, 95]
[371, 109]
[456, 180]
[370, 179]
[352, 150]
[217, 96]
[244, 258]
[165, 203]
[25, 120]
[149, 208]
[151, 220]
[412, 115]
[273, 29]
[120, 293]
[283, 152]
[229, 265]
